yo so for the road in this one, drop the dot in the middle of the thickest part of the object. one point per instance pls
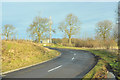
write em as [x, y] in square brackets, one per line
[71, 64]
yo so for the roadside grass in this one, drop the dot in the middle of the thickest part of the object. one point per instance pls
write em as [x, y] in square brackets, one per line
[17, 54]
[97, 71]
[106, 57]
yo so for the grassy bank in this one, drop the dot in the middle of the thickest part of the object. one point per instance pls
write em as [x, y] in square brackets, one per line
[17, 54]
[105, 57]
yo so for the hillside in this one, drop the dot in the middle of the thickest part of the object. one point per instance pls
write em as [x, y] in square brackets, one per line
[17, 54]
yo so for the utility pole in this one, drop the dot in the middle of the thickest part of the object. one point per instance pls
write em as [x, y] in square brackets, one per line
[50, 23]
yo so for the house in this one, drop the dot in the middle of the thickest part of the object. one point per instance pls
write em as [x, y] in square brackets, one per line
[45, 41]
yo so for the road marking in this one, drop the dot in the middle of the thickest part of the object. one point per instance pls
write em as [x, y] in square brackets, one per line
[74, 54]
[54, 68]
[73, 58]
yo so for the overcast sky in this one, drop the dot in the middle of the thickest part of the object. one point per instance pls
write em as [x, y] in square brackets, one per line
[21, 15]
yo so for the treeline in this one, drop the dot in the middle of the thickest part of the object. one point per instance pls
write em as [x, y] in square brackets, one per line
[89, 43]
[106, 33]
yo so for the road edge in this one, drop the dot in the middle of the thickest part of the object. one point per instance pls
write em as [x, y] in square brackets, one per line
[91, 67]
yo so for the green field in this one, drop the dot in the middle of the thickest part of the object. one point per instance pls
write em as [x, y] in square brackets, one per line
[17, 54]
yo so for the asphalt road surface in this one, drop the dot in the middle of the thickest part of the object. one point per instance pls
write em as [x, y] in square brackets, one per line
[71, 64]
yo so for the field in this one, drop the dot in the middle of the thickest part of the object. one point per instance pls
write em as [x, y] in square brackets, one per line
[17, 54]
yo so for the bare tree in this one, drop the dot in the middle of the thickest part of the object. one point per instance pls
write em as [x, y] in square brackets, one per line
[38, 28]
[70, 26]
[115, 32]
[8, 31]
[103, 29]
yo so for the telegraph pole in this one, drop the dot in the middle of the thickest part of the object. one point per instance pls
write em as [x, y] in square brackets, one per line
[50, 23]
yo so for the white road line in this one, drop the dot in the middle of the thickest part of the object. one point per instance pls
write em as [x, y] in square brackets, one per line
[73, 58]
[74, 54]
[54, 68]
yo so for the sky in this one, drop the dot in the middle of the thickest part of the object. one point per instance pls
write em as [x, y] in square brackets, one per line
[60, 0]
[21, 15]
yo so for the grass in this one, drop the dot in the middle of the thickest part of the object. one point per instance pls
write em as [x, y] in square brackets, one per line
[17, 54]
[107, 57]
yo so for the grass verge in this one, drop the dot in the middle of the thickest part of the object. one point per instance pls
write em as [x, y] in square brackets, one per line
[100, 70]
[17, 54]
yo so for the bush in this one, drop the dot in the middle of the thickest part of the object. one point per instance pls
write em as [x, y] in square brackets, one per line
[66, 44]
[89, 43]
[55, 41]
[82, 43]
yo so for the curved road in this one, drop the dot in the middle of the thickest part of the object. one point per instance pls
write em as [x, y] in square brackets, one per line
[71, 64]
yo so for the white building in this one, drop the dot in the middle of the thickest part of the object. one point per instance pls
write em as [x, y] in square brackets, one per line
[45, 41]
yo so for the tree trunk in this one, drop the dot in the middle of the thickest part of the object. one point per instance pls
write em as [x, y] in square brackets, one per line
[39, 36]
[69, 39]
[7, 37]
[70, 36]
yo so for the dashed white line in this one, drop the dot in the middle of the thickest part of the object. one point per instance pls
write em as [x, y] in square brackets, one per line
[74, 54]
[54, 68]
[73, 58]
